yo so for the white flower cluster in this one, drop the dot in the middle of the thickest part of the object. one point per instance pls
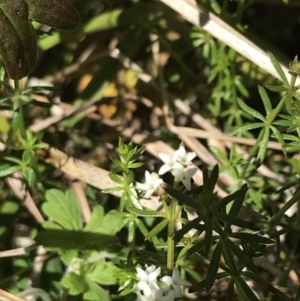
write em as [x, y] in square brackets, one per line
[179, 164]
[166, 289]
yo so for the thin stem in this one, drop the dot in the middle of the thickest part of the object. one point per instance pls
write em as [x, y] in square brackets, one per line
[173, 213]
[18, 105]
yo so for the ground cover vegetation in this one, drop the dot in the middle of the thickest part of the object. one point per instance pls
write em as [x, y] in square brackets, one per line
[142, 158]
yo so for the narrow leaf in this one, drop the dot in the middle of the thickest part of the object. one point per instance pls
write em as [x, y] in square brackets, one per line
[266, 285]
[252, 237]
[239, 194]
[247, 127]
[250, 110]
[116, 178]
[158, 228]
[145, 213]
[274, 88]
[233, 220]
[265, 98]
[278, 69]
[180, 196]
[244, 290]
[264, 145]
[240, 255]
[202, 284]
[213, 266]
[6, 170]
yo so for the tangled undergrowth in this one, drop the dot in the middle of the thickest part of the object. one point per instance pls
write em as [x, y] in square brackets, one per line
[149, 155]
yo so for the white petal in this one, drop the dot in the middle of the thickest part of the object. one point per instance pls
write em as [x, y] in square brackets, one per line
[165, 168]
[188, 173]
[141, 186]
[177, 291]
[176, 155]
[178, 174]
[177, 165]
[165, 158]
[154, 274]
[141, 273]
[187, 184]
[148, 177]
[167, 281]
[190, 156]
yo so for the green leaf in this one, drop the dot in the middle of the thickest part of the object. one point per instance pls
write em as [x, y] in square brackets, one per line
[63, 208]
[113, 189]
[117, 179]
[135, 165]
[158, 228]
[19, 51]
[233, 220]
[13, 159]
[29, 175]
[230, 290]
[208, 234]
[278, 69]
[213, 266]
[240, 255]
[59, 14]
[244, 290]
[250, 110]
[264, 145]
[276, 88]
[186, 228]
[237, 195]
[211, 182]
[112, 223]
[74, 240]
[103, 273]
[252, 237]
[103, 21]
[146, 213]
[96, 221]
[74, 283]
[180, 196]
[6, 170]
[247, 127]
[266, 285]
[265, 98]
[95, 292]
[108, 224]
[275, 218]
[202, 284]
[279, 137]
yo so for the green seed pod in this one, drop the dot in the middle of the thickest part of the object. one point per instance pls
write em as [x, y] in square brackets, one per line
[18, 45]
[59, 14]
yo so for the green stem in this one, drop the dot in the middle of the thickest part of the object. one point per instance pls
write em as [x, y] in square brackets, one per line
[173, 214]
[18, 105]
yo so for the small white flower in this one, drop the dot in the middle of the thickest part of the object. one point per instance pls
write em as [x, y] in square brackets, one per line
[184, 175]
[147, 280]
[174, 283]
[171, 163]
[155, 296]
[151, 185]
[183, 157]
